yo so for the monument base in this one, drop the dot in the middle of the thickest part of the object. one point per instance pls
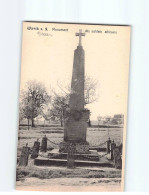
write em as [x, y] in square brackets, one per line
[55, 158]
[80, 147]
[92, 156]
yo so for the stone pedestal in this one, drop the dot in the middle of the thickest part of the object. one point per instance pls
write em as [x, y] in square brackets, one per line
[81, 147]
[91, 156]
[75, 125]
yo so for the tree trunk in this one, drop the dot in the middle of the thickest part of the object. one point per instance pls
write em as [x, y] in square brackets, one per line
[28, 124]
[89, 123]
[61, 121]
[33, 124]
[44, 123]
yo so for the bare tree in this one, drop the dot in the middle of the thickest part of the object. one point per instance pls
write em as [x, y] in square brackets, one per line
[99, 119]
[59, 104]
[21, 114]
[90, 91]
[60, 100]
[33, 99]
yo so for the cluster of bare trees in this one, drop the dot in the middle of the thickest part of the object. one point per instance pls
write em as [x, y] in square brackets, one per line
[33, 99]
[36, 100]
[117, 119]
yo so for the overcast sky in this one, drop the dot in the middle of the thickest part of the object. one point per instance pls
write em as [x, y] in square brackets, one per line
[49, 59]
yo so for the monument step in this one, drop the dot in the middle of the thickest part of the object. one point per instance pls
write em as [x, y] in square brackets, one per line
[98, 149]
[92, 156]
[77, 157]
[41, 161]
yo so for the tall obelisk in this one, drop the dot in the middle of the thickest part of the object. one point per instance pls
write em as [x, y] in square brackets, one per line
[75, 123]
[76, 101]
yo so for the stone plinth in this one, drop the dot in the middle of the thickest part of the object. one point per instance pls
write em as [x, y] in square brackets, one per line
[41, 161]
[91, 156]
[75, 125]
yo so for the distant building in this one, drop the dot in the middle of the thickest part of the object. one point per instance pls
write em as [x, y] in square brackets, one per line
[119, 118]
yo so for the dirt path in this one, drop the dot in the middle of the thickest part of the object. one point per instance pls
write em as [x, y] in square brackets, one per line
[73, 184]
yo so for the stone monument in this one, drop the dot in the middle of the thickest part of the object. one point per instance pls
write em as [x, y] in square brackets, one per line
[76, 116]
[74, 149]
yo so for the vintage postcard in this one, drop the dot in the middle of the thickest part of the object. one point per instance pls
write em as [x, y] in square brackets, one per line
[73, 107]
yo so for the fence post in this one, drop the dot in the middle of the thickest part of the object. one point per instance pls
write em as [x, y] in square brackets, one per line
[108, 145]
[71, 156]
[23, 161]
[112, 148]
[44, 144]
[35, 149]
[117, 158]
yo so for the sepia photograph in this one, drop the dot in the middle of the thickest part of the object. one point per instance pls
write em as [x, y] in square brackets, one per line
[73, 107]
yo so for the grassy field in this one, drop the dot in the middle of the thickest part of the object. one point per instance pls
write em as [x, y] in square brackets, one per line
[48, 173]
[43, 177]
[95, 136]
[46, 178]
